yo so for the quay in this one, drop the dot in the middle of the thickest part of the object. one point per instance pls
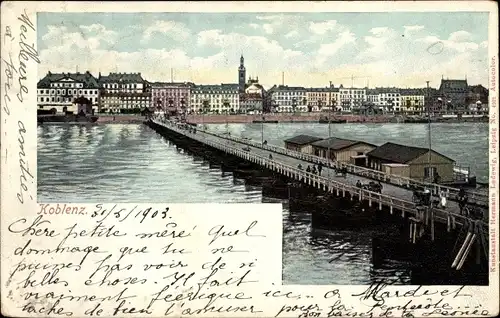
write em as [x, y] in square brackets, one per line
[443, 233]
[320, 117]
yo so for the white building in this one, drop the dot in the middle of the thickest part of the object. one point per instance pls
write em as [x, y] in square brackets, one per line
[286, 99]
[59, 90]
[123, 91]
[215, 99]
[372, 97]
[351, 98]
[389, 99]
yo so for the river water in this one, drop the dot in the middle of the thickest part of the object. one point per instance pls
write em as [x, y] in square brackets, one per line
[131, 163]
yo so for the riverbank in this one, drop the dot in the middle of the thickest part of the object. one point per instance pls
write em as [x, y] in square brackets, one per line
[120, 119]
[315, 117]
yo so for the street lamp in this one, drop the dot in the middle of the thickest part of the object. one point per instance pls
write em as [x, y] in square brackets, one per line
[262, 129]
[429, 133]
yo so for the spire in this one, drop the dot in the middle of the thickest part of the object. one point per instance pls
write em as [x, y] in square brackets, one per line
[242, 60]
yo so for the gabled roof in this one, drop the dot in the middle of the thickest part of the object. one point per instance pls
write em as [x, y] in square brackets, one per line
[447, 84]
[170, 84]
[302, 139]
[399, 153]
[335, 143]
[88, 80]
[125, 78]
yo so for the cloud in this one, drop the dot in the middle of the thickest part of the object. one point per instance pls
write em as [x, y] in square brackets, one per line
[330, 49]
[410, 30]
[292, 34]
[381, 43]
[459, 36]
[87, 37]
[272, 24]
[310, 53]
[456, 41]
[174, 30]
[322, 27]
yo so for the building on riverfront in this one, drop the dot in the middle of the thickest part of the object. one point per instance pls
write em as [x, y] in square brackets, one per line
[123, 91]
[321, 98]
[253, 98]
[301, 143]
[286, 99]
[453, 95]
[411, 162]
[477, 99]
[389, 99]
[412, 101]
[171, 97]
[351, 99]
[343, 150]
[59, 90]
[215, 99]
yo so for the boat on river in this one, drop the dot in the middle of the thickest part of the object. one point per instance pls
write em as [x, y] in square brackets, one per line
[324, 120]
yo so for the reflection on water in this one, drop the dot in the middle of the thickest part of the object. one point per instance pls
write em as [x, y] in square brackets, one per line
[131, 163]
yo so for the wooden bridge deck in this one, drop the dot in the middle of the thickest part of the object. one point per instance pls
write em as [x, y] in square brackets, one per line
[393, 196]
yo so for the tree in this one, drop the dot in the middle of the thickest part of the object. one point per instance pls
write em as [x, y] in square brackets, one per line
[226, 104]
[183, 107]
[390, 105]
[294, 104]
[206, 106]
[320, 104]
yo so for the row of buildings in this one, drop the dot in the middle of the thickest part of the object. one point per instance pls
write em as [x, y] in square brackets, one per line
[126, 91]
[395, 159]
[452, 95]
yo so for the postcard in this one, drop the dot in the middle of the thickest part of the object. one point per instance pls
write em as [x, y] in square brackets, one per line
[249, 159]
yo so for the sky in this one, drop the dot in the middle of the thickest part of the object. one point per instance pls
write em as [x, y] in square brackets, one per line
[403, 49]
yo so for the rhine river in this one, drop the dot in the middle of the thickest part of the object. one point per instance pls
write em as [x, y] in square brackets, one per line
[131, 163]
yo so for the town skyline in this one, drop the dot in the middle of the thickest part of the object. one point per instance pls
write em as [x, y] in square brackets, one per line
[311, 49]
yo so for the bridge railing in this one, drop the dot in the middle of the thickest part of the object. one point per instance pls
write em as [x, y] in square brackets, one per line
[436, 189]
[324, 183]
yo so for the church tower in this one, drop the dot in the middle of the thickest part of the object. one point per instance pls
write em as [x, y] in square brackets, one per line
[241, 75]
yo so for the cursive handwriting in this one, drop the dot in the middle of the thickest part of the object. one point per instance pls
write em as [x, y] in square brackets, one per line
[25, 175]
[27, 52]
[9, 71]
[133, 260]
[219, 231]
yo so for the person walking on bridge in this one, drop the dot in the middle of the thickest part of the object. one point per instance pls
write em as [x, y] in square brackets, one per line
[320, 167]
[462, 199]
[308, 169]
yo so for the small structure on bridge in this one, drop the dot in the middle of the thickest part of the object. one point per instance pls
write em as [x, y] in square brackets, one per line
[412, 162]
[301, 143]
[343, 150]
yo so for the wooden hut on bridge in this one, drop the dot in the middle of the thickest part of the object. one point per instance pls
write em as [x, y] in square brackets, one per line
[301, 143]
[411, 162]
[343, 150]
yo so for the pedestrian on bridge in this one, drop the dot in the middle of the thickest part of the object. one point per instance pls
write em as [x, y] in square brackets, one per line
[320, 167]
[462, 199]
[314, 170]
[442, 196]
[308, 169]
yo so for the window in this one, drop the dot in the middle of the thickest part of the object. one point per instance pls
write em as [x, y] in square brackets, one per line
[432, 170]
